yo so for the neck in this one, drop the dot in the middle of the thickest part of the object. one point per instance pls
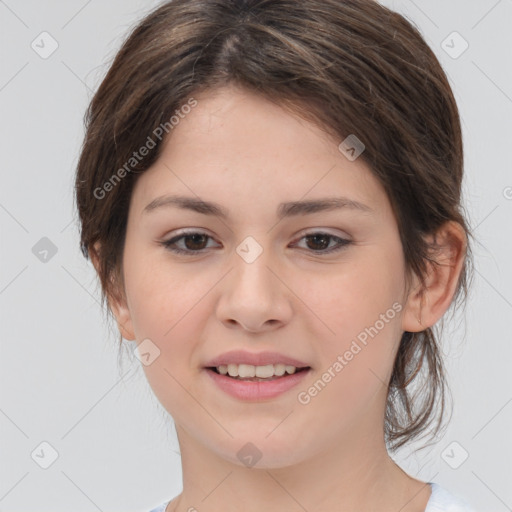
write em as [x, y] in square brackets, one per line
[356, 475]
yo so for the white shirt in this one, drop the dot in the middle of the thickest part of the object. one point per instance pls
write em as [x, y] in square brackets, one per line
[440, 501]
[443, 501]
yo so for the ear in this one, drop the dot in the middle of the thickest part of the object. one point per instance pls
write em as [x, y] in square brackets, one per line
[425, 305]
[116, 300]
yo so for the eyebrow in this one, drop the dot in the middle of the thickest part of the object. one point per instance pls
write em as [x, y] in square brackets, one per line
[288, 209]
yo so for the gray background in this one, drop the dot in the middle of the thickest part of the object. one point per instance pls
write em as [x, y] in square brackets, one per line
[60, 381]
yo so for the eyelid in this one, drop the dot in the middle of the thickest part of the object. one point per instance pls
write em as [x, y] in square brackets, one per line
[325, 231]
[343, 241]
[300, 234]
[180, 234]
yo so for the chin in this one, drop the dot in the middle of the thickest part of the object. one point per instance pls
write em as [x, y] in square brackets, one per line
[260, 451]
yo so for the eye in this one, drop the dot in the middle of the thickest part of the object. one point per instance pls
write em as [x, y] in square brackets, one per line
[320, 241]
[195, 242]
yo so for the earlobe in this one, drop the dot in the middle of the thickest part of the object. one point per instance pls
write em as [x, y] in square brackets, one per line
[426, 304]
[116, 300]
[123, 317]
[412, 312]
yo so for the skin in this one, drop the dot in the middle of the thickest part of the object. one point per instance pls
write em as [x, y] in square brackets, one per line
[247, 154]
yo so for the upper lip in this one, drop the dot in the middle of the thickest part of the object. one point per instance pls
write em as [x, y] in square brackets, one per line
[254, 358]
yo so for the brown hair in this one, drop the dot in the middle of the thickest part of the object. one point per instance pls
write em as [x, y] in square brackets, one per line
[350, 66]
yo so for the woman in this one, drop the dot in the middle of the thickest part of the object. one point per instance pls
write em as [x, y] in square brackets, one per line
[270, 192]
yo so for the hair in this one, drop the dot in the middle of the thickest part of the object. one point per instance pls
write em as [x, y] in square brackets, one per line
[350, 67]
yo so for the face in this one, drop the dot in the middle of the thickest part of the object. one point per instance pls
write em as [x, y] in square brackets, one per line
[322, 286]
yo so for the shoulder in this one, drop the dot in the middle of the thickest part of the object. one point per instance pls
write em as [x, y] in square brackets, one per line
[160, 508]
[442, 500]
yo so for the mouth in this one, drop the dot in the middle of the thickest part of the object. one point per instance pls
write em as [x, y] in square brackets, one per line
[256, 383]
[251, 376]
[251, 373]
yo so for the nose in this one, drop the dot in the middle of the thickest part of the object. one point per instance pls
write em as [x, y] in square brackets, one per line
[253, 296]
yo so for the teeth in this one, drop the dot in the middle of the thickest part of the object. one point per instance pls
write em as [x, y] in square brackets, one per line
[249, 370]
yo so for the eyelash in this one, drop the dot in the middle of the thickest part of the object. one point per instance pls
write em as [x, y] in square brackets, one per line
[170, 244]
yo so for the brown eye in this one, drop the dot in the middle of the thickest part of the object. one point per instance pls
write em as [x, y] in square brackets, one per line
[197, 241]
[193, 242]
[319, 242]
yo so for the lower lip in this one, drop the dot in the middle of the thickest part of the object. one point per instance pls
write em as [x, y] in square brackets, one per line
[255, 390]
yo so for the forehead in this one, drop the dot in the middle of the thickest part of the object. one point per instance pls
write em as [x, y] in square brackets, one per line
[236, 144]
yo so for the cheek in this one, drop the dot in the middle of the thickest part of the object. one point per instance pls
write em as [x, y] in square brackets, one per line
[354, 297]
[159, 294]
[356, 365]
[168, 307]
[361, 307]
